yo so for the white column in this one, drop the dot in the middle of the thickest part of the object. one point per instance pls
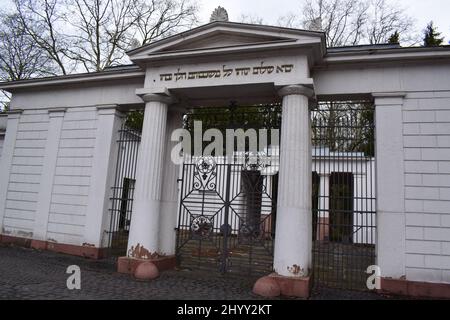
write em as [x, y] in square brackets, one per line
[169, 196]
[144, 238]
[292, 256]
[105, 154]
[390, 185]
[56, 117]
[324, 204]
[6, 159]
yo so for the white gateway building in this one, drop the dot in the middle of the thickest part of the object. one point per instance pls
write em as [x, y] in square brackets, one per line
[362, 172]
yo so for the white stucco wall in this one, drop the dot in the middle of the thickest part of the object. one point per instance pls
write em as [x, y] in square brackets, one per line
[365, 78]
[72, 178]
[25, 174]
[66, 213]
[426, 139]
[57, 164]
[60, 213]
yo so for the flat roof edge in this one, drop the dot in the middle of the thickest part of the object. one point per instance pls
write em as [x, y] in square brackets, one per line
[107, 75]
[387, 54]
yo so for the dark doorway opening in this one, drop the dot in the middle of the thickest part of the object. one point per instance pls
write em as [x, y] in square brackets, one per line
[341, 207]
[315, 203]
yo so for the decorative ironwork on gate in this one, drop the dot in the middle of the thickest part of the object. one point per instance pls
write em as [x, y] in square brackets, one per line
[344, 212]
[123, 190]
[227, 207]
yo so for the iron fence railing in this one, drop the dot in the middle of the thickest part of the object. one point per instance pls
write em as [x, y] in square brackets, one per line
[344, 211]
[123, 190]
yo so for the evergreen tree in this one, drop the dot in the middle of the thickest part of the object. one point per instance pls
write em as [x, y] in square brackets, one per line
[432, 38]
[394, 38]
[135, 119]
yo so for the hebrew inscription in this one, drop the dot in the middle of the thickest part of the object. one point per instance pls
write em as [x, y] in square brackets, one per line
[226, 72]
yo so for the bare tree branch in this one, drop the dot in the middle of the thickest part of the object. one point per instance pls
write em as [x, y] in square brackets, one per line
[352, 22]
[95, 34]
[41, 21]
[251, 19]
[387, 18]
[20, 58]
[156, 19]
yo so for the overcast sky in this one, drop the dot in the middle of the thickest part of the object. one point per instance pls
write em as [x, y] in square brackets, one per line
[422, 10]
[270, 10]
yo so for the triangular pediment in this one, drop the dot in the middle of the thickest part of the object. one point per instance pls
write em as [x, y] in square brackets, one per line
[222, 39]
[225, 37]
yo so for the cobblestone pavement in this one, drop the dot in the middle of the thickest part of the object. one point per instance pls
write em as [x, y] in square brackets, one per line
[32, 274]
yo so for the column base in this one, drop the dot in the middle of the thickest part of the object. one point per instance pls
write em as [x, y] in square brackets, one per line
[128, 265]
[404, 287]
[275, 285]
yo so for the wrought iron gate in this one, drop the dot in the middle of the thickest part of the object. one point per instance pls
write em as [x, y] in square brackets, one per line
[344, 213]
[123, 190]
[227, 207]
[226, 219]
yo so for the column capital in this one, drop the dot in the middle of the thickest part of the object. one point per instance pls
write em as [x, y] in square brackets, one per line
[155, 97]
[296, 89]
